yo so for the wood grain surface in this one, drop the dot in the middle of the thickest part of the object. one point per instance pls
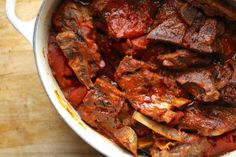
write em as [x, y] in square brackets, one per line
[29, 124]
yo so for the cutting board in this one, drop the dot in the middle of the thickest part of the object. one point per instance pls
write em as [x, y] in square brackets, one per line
[29, 124]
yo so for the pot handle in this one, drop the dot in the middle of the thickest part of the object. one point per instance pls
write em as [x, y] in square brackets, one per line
[26, 28]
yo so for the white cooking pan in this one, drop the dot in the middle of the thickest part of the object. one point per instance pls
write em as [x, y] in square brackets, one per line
[37, 32]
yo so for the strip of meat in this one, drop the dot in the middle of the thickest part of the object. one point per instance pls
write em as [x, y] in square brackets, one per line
[101, 109]
[215, 8]
[182, 59]
[82, 56]
[209, 119]
[147, 91]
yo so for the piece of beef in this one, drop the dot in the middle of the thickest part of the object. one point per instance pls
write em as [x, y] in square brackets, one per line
[227, 46]
[227, 42]
[227, 82]
[182, 24]
[200, 84]
[69, 17]
[127, 18]
[147, 91]
[182, 59]
[172, 30]
[188, 13]
[211, 84]
[215, 8]
[82, 55]
[204, 39]
[102, 108]
[228, 94]
[209, 119]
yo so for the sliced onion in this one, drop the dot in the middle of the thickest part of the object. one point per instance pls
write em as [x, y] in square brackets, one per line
[164, 130]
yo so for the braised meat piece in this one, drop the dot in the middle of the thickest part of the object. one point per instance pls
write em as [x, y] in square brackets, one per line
[128, 18]
[227, 83]
[211, 84]
[172, 30]
[70, 16]
[209, 119]
[82, 55]
[228, 94]
[148, 92]
[204, 40]
[200, 84]
[182, 24]
[215, 8]
[188, 13]
[182, 59]
[101, 109]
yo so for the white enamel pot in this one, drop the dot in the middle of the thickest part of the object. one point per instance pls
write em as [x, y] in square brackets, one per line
[37, 32]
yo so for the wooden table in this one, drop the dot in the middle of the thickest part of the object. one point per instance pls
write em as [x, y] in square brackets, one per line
[29, 124]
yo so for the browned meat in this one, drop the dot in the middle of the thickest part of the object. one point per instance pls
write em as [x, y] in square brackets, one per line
[204, 40]
[209, 85]
[209, 119]
[182, 59]
[82, 55]
[215, 8]
[148, 92]
[188, 13]
[172, 30]
[69, 17]
[101, 109]
[227, 45]
[227, 83]
[200, 84]
[128, 19]
[228, 94]
[183, 25]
